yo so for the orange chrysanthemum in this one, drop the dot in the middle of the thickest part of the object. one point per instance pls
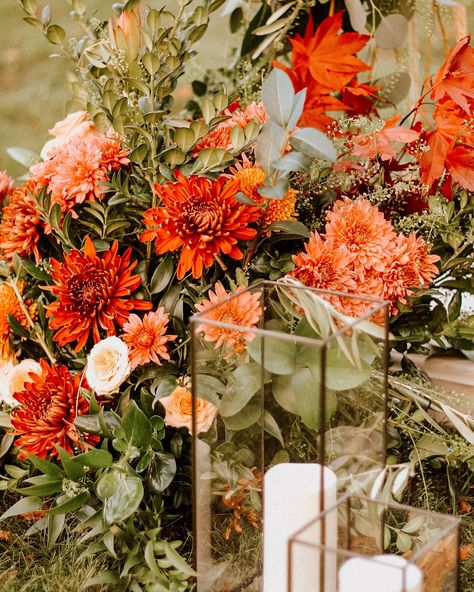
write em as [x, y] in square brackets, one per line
[361, 228]
[6, 185]
[239, 307]
[146, 338]
[251, 177]
[21, 223]
[203, 218]
[93, 293]
[219, 137]
[48, 406]
[324, 265]
[9, 305]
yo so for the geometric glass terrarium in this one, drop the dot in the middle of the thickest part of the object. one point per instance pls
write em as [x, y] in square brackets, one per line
[294, 375]
[375, 546]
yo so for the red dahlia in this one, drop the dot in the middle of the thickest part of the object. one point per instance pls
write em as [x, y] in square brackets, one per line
[201, 217]
[93, 293]
[49, 404]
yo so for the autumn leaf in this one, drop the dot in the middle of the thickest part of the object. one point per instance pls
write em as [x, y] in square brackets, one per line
[466, 551]
[460, 163]
[380, 143]
[456, 77]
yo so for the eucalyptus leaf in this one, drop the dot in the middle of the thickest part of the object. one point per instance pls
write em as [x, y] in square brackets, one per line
[246, 382]
[391, 32]
[314, 144]
[125, 500]
[136, 426]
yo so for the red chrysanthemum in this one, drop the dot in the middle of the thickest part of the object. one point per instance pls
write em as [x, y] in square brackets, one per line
[48, 406]
[93, 293]
[203, 218]
[21, 223]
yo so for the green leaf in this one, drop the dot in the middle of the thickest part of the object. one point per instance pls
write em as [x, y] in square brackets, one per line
[270, 145]
[314, 144]
[247, 416]
[16, 327]
[45, 466]
[271, 426]
[278, 95]
[95, 458]
[55, 528]
[27, 504]
[296, 109]
[292, 227]
[106, 577]
[42, 490]
[279, 354]
[125, 500]
[25, 157]
[247, 381]
[55, 34]
[177, 561]
[208, 388]
[137, 427]
[162, 471]
[250, 40]
[107, 485]
[162, 275]
[293, 161]
[35, 271]
[71, 505]
[73, 469]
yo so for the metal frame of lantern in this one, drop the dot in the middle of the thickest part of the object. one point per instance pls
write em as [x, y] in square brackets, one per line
[285, 375]
[363, 544]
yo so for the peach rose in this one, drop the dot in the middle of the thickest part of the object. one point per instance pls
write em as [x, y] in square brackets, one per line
[179, 408]
[108, 365]
[13, 381]
[78, 124]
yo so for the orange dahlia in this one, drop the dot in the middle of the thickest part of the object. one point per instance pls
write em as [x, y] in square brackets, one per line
[239, 307]
[93, 293]
[6, 185]
[362, 230]
[48, 406]
[9, 305]
[324, 265]
[146, 338]
[21, 223]
[203, 218]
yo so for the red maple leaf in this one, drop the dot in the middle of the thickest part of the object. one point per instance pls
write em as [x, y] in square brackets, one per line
[456, 77]
[460, 163]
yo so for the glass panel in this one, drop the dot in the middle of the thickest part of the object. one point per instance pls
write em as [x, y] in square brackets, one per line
[281, 374]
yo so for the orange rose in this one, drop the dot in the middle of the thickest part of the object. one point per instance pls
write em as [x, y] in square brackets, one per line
[179, 411]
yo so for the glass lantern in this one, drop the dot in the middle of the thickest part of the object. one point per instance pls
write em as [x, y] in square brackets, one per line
[367, 545]
[281, 374]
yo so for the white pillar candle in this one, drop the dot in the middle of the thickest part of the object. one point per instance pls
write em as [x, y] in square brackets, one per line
[292, 495]
[387, 573]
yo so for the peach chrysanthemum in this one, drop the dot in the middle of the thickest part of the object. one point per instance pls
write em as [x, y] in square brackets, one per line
[146, 338]
[251, 177]
[21, 223]
[219, 137]
[362, 230]
[238, 307]
[324, 265]
[114, 155]
[6, 185]
[10, 305]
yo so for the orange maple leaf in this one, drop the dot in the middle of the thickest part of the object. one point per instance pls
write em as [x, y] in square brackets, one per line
[456, 77]
[380, 143]
[460, 163]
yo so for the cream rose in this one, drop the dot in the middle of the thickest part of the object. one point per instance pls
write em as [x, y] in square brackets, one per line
[77, 124]
[108, 365]
[13, 380]
[179, 411]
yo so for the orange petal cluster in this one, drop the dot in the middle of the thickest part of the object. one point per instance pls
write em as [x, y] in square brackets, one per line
[146, 338]
[202, 218]
[360, 254]
[48, 406]
[238, 307]
[20, 228]
[78, 170]
[93, 293]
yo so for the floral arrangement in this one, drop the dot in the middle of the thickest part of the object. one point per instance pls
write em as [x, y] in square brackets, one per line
[160, 196]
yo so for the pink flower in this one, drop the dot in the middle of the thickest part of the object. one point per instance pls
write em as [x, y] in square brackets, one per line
[380, 143]
[75, 125]
[6, 185]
